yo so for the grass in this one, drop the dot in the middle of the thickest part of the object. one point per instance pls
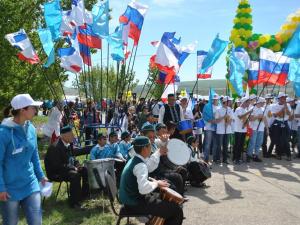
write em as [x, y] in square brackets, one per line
[97, 209]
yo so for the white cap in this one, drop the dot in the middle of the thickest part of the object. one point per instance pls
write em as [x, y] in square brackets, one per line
[261, 100]
[244, 99]
[281, 94]
[289, 99]
[23, 100]
[252, 96]
[225, 99]
[216, 97]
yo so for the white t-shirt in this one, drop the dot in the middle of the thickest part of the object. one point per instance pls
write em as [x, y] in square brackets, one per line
[221, 125]
[276, 108]
[268, 112]
[238, 123]
[254, 124]
[297, 111]
[210, 126]
[188, 114]
[53, 124]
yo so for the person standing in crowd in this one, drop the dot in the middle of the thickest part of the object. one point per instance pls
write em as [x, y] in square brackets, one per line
[90, 116]
[20, 168]
[210, 136]
[270, 119]
[142, 116]
[240, 128]
[293, 123]
[198, 131]
[139, 107]
[297, 116]
[52, 128]
[125, 144]
[281, 112]
[155, 108]
[60, 164]
[224, 117]
[257, 123]
[171, 112]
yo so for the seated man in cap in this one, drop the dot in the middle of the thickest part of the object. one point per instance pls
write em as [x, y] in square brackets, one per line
[124, 144]
[136, 191]
[61, 165]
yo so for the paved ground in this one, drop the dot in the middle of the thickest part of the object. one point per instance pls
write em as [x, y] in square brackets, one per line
[265, 193]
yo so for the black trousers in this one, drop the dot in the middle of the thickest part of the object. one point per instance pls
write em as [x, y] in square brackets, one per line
[281, 136]
[238, 147]
[264, 144]
[272, 139]
[153, 205]
[176, 181]
[78, 190]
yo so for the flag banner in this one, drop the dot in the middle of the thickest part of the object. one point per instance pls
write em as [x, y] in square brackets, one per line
[85, 53]
[21, 41]
[293, 48]
[116, 43]
[87, 37]
[273, 67]
[253, 73]
[217, 48]
[237, 69]
[208, 108]
[53, 17]
[79, 14]
[169, 89]
[100, 14]
[200, 57]
[70, 59]
[48, 45]
[67, 26]
[294, 70]
[134, 17]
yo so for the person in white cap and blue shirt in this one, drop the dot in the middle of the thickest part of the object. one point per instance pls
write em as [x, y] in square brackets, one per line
[20, 168]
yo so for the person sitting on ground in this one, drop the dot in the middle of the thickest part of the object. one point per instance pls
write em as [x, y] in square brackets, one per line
[136, 191]
[61, 165]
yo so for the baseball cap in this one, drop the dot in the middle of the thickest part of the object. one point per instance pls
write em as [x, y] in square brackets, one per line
[23, 100]
[281, 94]
[261, 100]
[244, 99]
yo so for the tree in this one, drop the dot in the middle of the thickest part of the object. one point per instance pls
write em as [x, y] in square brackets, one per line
[156, 89]
[90, 83]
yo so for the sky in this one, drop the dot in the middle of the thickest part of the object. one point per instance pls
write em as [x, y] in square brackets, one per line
[196, 20]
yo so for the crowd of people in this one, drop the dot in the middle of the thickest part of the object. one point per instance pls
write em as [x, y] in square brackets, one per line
[136, 136]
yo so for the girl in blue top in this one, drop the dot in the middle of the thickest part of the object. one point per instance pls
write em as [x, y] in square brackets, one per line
[20, 169]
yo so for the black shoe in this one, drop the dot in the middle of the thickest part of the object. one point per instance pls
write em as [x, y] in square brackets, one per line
[256, 159]
[248, 158]
[225, 162]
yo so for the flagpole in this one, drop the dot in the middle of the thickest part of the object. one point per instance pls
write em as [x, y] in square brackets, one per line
[107, 72]
[144, 85]
[152, 85]
[131, 71]
[77, 82]
[117, 82]
[84, 78]
[101, 81]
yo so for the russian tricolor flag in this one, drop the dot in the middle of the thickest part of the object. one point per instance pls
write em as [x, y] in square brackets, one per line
[253, 73]
[87, 37]
[134, 17]
[21, 41]
[273, 67]
[200, 57]
[85, 53]
[70, 59]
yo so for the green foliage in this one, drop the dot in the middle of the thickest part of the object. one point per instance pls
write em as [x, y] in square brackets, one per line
[156, 89]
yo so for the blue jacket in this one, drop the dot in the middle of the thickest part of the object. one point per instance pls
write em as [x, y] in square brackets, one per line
[20, 168]
[101, 153]
[124, 148]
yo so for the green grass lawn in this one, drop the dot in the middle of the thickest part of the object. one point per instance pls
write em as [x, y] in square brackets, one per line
[97, 209]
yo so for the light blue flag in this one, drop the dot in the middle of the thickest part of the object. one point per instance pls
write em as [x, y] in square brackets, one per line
[237, 69]
[53, 17]
[100, 13]
[48, 45]
[116, 43]
[293, 48]
[208, 108]
[297, 88]
[294, 70]
[217, 48]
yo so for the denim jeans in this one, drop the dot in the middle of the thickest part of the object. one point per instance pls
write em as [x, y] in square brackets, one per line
[210, 141]
[31, 206]
[255, 143]
[222, 142]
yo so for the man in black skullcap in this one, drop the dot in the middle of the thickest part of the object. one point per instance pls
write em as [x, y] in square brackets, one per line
[61, 165]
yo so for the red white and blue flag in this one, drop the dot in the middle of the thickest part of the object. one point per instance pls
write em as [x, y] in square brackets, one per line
[70, 57]
[67, 26]
[79, 14]
[21, 41]
[253, 73]
[87, 37]
[134, 17]
[273, 67]
[208, 73]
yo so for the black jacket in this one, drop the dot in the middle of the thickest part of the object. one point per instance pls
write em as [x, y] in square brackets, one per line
[57, 160]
